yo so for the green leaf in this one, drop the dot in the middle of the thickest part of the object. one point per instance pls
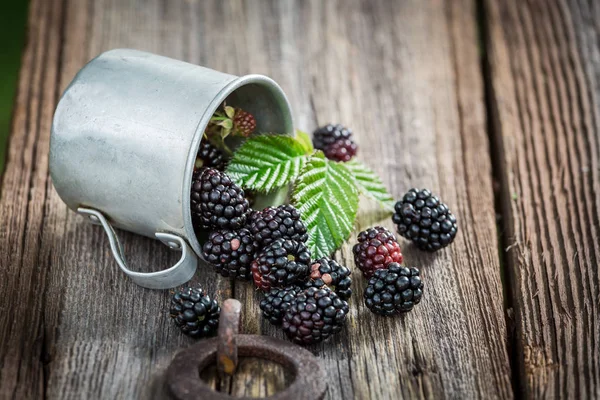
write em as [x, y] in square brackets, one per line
[266, 162]
[305, 141]
[327, 198]
[370, 184]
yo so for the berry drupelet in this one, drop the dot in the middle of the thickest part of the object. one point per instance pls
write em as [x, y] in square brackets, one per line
[393, 290]
[276, 302]
[209, 157]
[424, 219]
[281, 264]
[376, 248]
[231, 252]
[335, 141]
[217, 202]
[314, 315]
[194, 312]
[274, 223]
[327, 272]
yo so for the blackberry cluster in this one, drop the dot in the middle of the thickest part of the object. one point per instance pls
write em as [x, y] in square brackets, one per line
[209, 157]
[194, 312]
[314, 315]
[375, 249]
[336, 142]
[274, 223]
[276, 302]
[217, 202]
[231, 252]
[424, 219]
[283, 263]
[393, 290]
[327, 272]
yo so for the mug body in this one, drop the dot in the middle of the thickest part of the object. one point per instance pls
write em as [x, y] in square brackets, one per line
[127, 130]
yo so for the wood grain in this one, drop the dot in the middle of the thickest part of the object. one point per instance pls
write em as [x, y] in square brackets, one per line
[543, 62]
[404, 75]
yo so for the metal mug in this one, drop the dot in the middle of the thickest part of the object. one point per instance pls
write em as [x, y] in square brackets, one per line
[124, 140]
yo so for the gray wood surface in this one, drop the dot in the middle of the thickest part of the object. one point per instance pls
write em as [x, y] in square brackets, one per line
[424, 84]
[544, 65]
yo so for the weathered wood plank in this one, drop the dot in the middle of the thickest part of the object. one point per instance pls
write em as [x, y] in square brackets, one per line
[404, 75]
[543, 61]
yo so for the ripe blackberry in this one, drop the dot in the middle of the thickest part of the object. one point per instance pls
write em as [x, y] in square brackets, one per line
[327, 272]
[335, 141]
[393, 290]
[314, 315]
[424, 219]
[276, 302]
[217, 202]
[209, 157]
[243, 122]
[231, 252]
[281, 264]
[274, 223]
[329, 134]
[194, 312]
[376, 248]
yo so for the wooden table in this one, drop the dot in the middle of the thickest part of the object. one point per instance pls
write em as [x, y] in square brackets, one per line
[493, 105]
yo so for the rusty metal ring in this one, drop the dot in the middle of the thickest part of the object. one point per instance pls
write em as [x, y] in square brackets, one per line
[183, 375]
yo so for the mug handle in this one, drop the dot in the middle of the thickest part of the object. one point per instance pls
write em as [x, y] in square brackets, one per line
[177, 275]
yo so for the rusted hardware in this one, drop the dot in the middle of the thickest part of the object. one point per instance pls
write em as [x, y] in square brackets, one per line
[183, 375]
[229, 328]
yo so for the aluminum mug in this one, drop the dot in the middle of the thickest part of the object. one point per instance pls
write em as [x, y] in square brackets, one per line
[124, 140]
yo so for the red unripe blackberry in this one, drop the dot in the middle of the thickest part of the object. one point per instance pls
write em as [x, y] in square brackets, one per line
[274, 223]
[276, 302]
[243, 122]
[314, 315]
[194, 312]
[327, 272]
[422, 218]
[209, 157]
[231, 252]
[217, 202]
[335, 141]
[393, 290]
[281, 264]
[342, 150]
[376, 248]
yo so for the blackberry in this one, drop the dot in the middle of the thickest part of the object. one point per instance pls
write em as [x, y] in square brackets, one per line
[209, 157]
[217, 202]
[327, 272]
[194, 312]
[276, 302]
[281, 264]
[314, 315]
[393, 290]
[335, 141]
[342, 150]
[274, 223]
[231, 252]
[243, 122]
[329, 134]
[424, 219]
[376, 248]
